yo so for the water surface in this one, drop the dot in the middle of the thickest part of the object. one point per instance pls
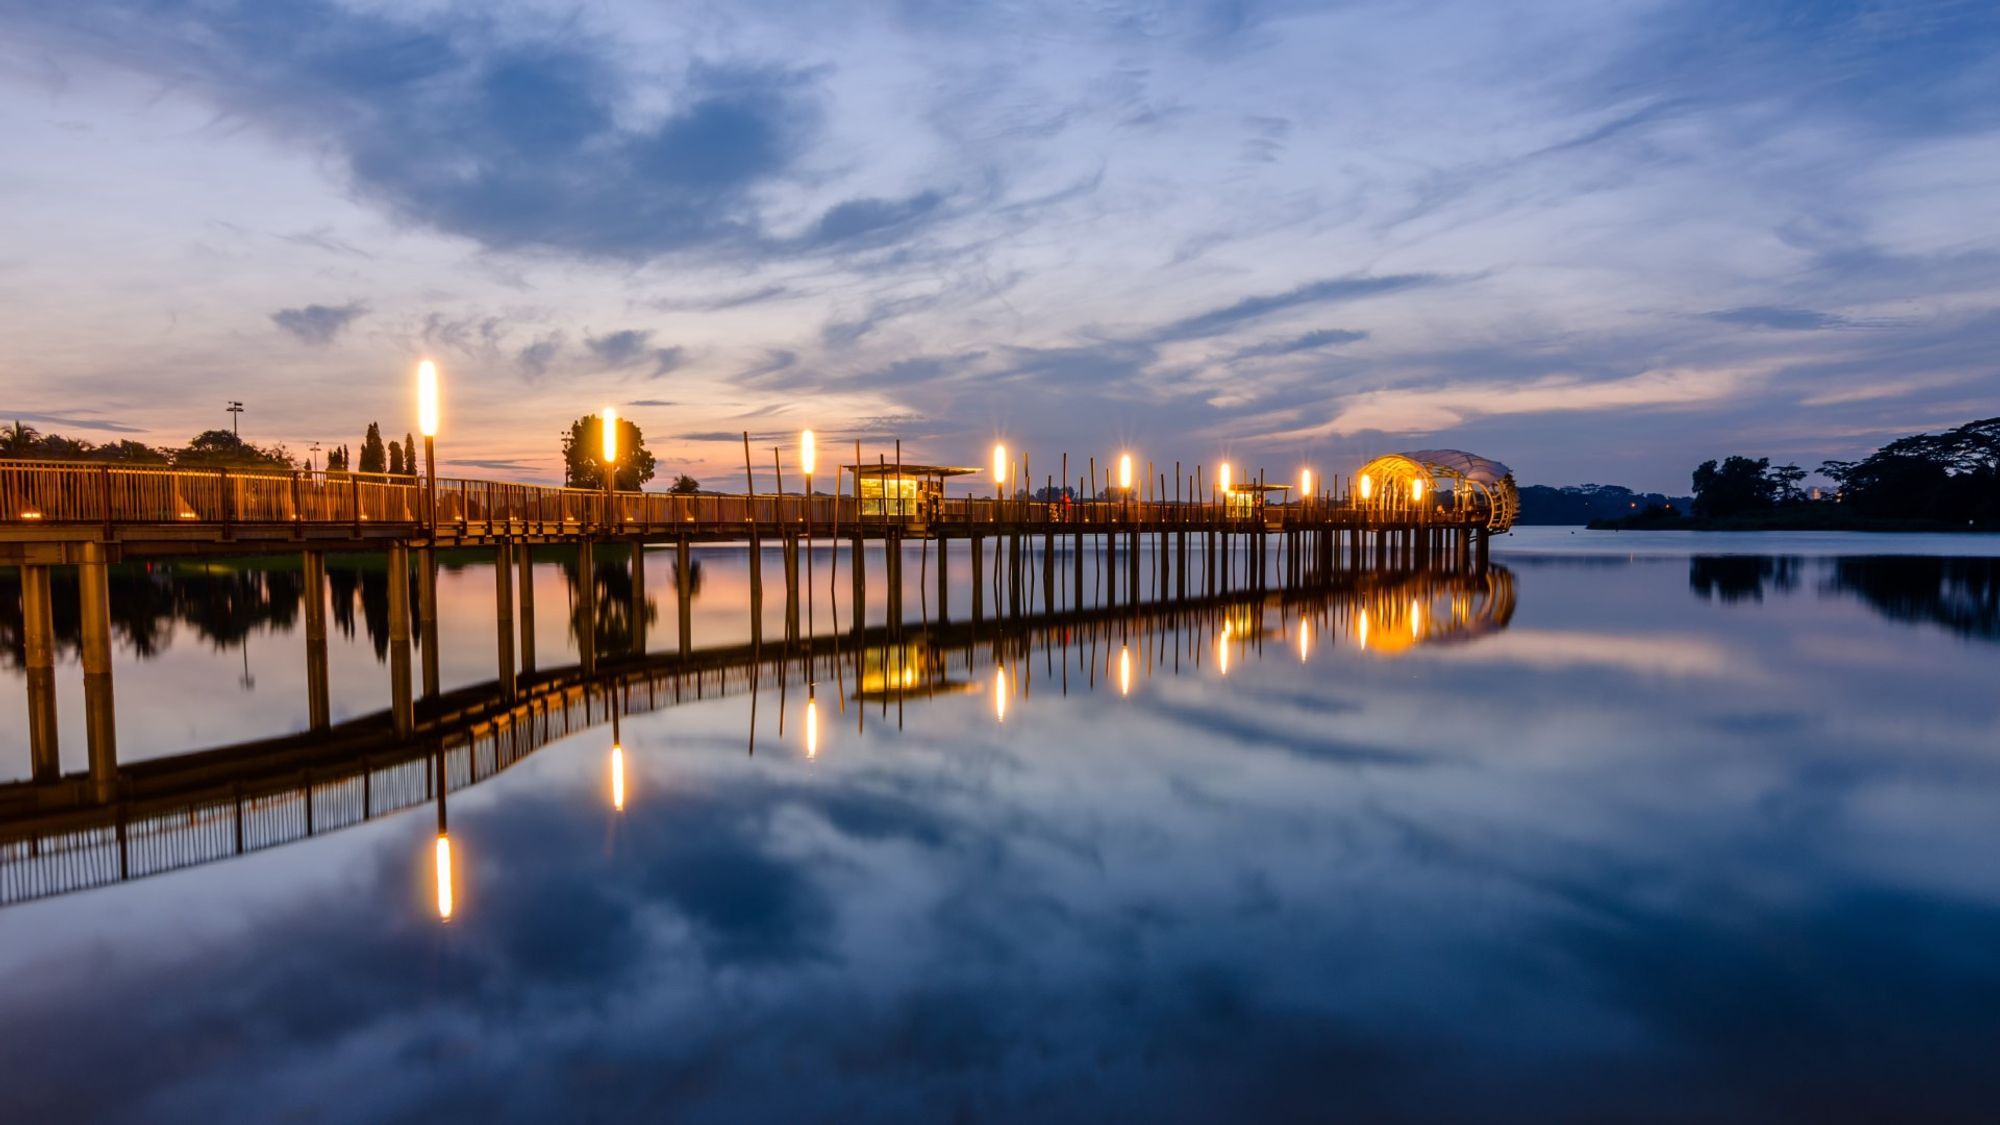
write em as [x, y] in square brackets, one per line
[1678, 836]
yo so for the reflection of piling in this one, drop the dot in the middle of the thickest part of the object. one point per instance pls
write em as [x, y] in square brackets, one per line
[38, 625]
[100, 726]
[527, 561]
[401, 711]
[503, 614]
[318, 707]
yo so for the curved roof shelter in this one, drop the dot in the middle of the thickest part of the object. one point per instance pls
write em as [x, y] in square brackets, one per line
[1474, 483]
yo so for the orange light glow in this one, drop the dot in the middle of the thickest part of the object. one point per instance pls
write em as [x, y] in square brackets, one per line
[812, 728]
[1000, 695]
[1125, 471]
[1223, 477]
[1305, 638]
[1417, 489]
[1367, 486]
[1361, 629]
[445, 903]
[1416, 620]
[617, 777]
[427, 399]
[806, 452]
[1124, 670]
[999, 464]
[1305, 484]
[610, 429]
[1222, 648]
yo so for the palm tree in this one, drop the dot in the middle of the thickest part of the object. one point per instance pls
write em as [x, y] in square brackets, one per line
[18, 440]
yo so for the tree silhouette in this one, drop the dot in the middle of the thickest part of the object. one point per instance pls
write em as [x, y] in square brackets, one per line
[583, 466]
[374, 457]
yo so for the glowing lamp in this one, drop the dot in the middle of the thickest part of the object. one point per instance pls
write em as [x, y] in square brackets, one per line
[999, 464]
[1000, 695]
[1124, 670]
[1361, 629]
[1223, 477]
[617, 777]
[1416, 620]
[1305, 638]
[806, 451]
[1125, 471]
[445, 902]
[427, 399]
[1417, 489]
[1367, 486]
[1305, 483]
[610, 429]
[812, 728]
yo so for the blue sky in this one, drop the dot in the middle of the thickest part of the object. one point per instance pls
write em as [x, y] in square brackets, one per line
[1598, 241]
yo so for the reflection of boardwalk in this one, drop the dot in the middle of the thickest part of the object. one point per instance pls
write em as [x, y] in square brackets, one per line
[200, 807]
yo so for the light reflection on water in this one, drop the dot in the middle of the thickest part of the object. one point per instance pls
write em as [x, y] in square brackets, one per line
[1689, 837]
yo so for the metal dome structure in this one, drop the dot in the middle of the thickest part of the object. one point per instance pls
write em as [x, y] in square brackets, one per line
[1467, 482]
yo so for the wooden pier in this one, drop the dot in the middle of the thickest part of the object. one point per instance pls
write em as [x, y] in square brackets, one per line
[91, 516]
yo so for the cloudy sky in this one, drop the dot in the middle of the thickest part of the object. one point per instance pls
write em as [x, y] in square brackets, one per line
[1598, 241]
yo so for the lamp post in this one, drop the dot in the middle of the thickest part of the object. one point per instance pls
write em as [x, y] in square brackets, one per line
[808, 454]
[1222, 479]
[999, 475]
[1125, 482]
[1305, 489]
[609, 429]
[427, 424]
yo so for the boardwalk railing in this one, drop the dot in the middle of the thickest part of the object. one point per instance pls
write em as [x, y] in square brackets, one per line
[73, 493]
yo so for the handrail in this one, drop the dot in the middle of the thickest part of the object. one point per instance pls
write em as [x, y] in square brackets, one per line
[108, 494]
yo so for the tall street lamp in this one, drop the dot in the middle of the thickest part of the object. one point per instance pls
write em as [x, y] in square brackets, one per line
[808, 454]
[609, 429]
[427, 424]
[1125, 481]
[999, 475]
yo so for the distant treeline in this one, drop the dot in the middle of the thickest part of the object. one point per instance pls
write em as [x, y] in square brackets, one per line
[1582, 503]
[211, 449]
[1944, 481]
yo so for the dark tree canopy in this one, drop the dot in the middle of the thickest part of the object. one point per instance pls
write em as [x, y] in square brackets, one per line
[685, 485]
[1739, 485]
[409, 454]
[374, 456]
[1952, 476]
[396, 457]
[583, 466]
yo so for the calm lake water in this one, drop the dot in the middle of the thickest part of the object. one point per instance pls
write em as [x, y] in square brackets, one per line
[1641, 827]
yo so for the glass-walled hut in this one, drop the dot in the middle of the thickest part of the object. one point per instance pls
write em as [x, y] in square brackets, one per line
[1252, 501]
[912, 493]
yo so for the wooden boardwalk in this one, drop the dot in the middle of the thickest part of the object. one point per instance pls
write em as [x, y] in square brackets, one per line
[92, 516]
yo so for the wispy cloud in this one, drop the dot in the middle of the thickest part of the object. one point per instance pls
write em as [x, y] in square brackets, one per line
[1329, 290]
[1425, 409]
[1769, 316]
[318, 324]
